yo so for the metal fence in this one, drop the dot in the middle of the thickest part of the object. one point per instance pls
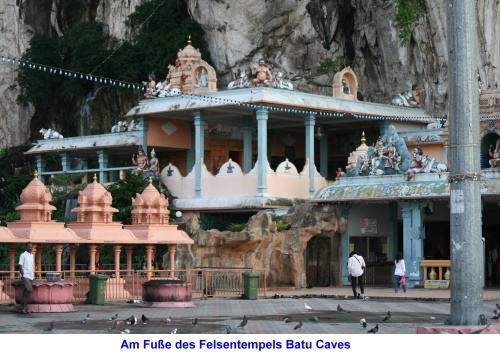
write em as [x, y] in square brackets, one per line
[127, 285]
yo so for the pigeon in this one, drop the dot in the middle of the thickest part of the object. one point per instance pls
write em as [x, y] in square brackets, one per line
[50, 328]
[132, 320]
[126, 331]
[174, 331]
[144, 319]
[194, 321]
[166, 321]
[315, 318]
[307, 307]
[243, 322]
[86, 319]
[298, 326]
[373, 330]
[114, 317]
[362, 321]
[114, 325]
[228, 331]
[286, 320]
[387, 317]
[340, 309]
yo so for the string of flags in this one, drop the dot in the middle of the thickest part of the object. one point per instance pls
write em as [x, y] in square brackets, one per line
[72, 74]
[210, 99]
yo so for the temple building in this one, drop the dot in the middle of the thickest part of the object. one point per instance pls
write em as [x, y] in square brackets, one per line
[230, 153]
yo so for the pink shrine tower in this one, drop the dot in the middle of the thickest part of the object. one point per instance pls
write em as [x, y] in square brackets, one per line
[151, 225]
[95, 224]
[36, 224]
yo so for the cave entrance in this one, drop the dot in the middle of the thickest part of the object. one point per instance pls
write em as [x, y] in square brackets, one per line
[321, 260]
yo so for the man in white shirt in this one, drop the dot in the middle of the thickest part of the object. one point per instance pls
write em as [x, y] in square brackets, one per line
[27, 271]
[356, 268]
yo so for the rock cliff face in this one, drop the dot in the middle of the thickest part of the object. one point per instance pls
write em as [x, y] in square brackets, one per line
[295, 35]
[262, 246]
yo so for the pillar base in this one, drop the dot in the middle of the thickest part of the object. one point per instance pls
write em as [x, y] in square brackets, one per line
[452, 329]
[48, 308]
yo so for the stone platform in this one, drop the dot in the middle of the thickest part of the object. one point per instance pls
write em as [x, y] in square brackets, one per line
[448, 329]
[47, 296]
[166, 293]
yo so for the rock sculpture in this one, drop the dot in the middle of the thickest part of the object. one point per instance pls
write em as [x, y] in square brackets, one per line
[50, 134]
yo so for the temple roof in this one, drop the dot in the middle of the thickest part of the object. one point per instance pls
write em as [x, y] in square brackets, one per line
[286, 109]
[394, 187]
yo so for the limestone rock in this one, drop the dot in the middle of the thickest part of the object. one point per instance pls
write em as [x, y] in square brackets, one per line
[295, 36]
[263, 246]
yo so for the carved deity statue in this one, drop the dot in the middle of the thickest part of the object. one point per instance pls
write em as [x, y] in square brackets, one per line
[263, 74]
[141, 160]
[150, 87]
[495, 154]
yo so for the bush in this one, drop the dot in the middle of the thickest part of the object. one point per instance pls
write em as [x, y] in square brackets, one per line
[236, 227]
[282, 226]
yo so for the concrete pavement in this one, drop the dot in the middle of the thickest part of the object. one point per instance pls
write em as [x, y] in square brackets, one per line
[422, 307]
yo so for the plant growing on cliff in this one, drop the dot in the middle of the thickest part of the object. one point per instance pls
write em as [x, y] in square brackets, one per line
[408, 12]
[282, 225]
[158, 29]
[329, 66]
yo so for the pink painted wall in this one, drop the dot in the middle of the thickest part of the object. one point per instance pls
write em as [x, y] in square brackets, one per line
[181, 138]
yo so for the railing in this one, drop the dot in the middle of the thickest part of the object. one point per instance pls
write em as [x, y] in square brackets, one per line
[429, 268]
[205, 282]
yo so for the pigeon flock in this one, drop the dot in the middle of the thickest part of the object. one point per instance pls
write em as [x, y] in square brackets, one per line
[304, 322]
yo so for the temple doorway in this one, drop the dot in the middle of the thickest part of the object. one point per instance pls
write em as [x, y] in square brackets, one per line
[322, 261]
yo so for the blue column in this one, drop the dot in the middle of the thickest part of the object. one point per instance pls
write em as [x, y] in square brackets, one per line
[65, 161]
[344, 245]
[247, 145]
[393, 237]
[323, 152]
[199, 146]
[413, 239]
[102, 155]
[191, 152]
[144, 127]
[262, 116]
[40, 165]
[309, 123]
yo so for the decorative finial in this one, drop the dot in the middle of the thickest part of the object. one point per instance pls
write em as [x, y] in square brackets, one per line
[95, 178]
[189, 40]
[35, 175]
[150, 181]
[363, 139]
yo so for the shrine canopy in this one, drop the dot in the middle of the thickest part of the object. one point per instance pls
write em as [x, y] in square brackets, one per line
[94, 216]
[151, 219]
[36, 224]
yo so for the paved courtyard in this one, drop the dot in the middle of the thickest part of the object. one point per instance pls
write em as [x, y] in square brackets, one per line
[265, 315]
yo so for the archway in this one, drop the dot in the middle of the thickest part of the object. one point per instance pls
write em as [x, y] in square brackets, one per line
[322, 258]
[488, 140]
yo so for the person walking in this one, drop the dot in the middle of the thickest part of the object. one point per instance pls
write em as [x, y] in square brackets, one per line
[494, 264]
[356, 268]
[399, 273]
[26, 269]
